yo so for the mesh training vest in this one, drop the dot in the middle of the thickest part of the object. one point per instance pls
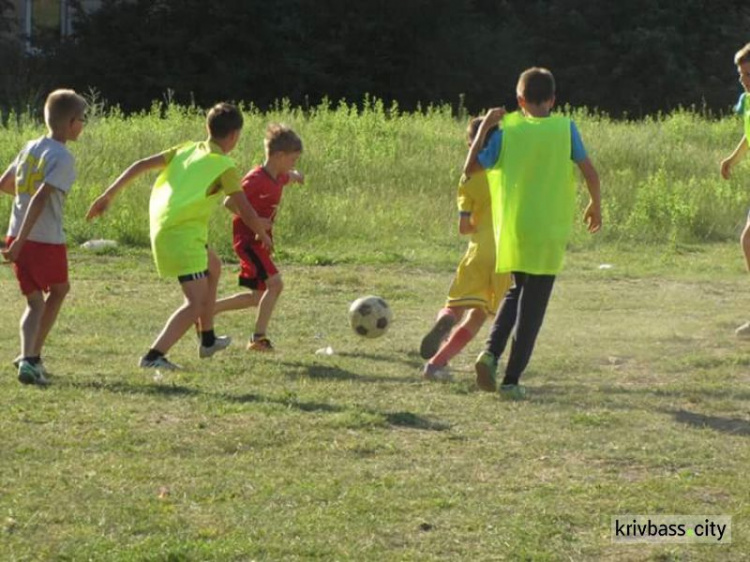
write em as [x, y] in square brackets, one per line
[533, 194]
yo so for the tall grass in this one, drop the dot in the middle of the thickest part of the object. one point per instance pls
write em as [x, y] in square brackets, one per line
[381, 182]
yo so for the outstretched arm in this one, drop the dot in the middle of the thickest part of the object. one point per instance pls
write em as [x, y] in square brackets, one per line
[492, 118]
[101, 203]
[732, 159]
[237, 203]
[593, 214]
[35, 208]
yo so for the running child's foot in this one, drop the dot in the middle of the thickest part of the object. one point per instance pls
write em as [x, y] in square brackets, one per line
[220, 343]
[30, 374]
[486, 369]
[439, 331]
[39, 365]
[513, 392]
[158, 363]
[438, 373]
[743, 331]
[260, 344]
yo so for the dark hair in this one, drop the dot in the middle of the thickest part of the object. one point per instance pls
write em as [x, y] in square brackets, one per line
[280, 138]
[223, 119]
[536, 85]
[473, 129]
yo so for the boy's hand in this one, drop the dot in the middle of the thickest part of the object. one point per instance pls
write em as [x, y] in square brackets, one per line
[98, 207]
[296, 177]
[593, 217]
[726, 166]
[11, 252]
[493, 117]
[265, 239]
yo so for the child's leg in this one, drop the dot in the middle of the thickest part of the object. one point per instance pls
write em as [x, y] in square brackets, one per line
[531, 308]
[30, 322]
[458, 339]
[52, 305]
[447, 317]
[206, 319]
[274, 286]
[505, 319]
[238, 301]
[745, 241]
[196, 294]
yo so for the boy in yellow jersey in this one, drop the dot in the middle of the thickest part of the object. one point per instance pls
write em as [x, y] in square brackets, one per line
[529, 164]
[194, 178]
[39, 179]
[476, 289]
[742, 61]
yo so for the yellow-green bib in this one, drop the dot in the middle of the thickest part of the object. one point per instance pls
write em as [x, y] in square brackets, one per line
[533, 194]
[180, 209]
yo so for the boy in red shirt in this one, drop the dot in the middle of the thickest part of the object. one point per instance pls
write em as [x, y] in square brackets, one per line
[263, 187]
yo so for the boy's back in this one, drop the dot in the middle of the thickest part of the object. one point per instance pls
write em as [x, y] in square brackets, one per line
[46, 160]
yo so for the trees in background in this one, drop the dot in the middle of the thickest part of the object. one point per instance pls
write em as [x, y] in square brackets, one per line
[635, 57]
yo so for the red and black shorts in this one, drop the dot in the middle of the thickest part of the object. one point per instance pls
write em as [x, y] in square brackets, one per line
[256, 265]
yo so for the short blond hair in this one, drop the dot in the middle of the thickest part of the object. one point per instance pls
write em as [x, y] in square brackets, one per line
[280, 138]
[62, 106]
[743, 55]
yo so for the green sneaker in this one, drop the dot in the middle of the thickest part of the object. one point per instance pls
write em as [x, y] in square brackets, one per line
[486, 369]
[513, 392]
[30, 374]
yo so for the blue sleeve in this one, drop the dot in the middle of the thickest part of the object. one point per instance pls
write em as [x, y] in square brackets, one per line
[577, 150]
[489, 155]
[738, 109]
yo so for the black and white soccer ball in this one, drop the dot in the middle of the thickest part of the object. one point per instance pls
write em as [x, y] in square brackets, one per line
[370, 316]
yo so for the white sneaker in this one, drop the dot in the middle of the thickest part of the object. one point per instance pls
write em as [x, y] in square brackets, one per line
[743, 331]
[436, 373]
[158, 363]
[221, 342]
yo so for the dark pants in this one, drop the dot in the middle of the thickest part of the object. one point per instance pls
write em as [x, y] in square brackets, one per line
[521, 314]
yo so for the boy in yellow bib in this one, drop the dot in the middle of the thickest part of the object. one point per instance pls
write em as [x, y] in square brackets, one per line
[529, 164]
[194, 178]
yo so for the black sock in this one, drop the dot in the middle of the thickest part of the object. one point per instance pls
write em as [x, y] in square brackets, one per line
[35, 360]
[257, 337]
[208, 338]
[153, 354]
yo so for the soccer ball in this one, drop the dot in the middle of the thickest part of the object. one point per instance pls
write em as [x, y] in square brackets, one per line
[370, 316]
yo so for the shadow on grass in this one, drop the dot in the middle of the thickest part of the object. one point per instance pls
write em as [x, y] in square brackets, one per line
[332, 372]
[416, 361]
[408, 420]
[732, 426]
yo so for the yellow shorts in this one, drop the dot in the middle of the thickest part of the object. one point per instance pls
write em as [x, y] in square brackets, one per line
[476, 283]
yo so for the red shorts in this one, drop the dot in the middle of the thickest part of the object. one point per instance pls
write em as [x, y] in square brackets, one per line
[40, 266]
[256, 264]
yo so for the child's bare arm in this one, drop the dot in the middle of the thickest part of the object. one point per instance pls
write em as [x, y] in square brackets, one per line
[35, 208]
[593, 214]
[465, 226]
[244, 209]
[492, 118]
[8, 181]
[101, 203]
[732, 159]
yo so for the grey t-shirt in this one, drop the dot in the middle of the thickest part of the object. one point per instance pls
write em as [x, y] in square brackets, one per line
[43, 160]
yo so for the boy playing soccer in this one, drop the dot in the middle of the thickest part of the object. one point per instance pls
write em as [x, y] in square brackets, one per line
[530, 171]
[742, 61]
[194, 177]
[476, 288]
[40, 177]
[263, 187]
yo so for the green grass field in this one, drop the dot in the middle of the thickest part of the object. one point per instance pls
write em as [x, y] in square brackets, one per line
[638, 404]
[638, 387]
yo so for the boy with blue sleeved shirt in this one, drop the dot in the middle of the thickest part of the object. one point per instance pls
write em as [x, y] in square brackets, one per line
[529, 164]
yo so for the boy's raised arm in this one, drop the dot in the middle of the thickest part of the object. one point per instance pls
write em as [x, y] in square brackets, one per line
[492, 118]
[101, 203]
